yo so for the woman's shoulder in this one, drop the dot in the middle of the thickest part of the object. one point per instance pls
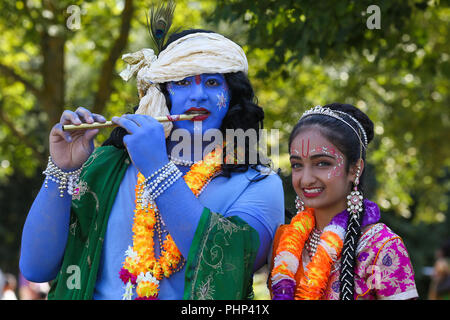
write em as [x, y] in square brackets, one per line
[376, 236]
[383, 264]
[380, 246]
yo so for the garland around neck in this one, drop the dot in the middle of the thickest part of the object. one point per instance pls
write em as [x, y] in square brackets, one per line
[288, 255]
[141, 269]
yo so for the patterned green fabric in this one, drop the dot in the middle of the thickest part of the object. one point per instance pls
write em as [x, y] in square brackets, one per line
[99, 183]
[219, 264]
[221, 258]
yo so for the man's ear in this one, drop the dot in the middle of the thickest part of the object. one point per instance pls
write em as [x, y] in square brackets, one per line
[354, 170]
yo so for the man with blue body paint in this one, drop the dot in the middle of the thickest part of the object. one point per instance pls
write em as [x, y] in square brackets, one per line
[223, 234]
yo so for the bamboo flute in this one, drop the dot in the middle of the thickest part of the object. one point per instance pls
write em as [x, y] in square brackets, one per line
[98, 125]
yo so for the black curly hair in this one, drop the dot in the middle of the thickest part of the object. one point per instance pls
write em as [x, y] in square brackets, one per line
[345, 139]
[243, 112]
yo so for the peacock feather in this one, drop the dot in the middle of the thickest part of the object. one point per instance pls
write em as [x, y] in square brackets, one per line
[160, 21]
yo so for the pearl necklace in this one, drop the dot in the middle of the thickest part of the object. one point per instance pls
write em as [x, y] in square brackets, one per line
[161, 226]
[313, 242]
[182, 162]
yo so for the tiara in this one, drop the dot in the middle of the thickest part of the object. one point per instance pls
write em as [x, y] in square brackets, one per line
[319, 110]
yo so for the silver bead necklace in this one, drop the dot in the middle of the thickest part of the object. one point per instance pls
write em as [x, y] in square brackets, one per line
[182, 162]
[313, 242]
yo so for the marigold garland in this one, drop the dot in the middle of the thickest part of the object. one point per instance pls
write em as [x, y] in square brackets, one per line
[141, 268]
[314, 280]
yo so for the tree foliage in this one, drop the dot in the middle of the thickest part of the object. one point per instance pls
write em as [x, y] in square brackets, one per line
[397, 74]
[57, 55]
[305, 53]
[301, 53]
[293, 30]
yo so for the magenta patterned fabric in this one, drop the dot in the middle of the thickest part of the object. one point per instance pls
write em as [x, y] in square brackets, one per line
[383, 269]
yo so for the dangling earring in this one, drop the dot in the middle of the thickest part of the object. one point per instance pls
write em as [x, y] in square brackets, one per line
[299, 204]
[355, 198]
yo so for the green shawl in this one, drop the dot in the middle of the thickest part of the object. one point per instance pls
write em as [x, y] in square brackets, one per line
[219, 264]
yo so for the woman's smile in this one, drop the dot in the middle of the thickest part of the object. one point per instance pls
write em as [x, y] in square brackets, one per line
[312, 192]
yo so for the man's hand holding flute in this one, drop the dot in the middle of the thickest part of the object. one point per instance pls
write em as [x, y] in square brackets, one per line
[70, 149]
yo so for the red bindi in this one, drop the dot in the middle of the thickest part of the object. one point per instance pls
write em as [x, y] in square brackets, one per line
[198, 79]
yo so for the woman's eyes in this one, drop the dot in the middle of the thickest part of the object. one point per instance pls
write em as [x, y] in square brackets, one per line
[323, 164]
[297, 165]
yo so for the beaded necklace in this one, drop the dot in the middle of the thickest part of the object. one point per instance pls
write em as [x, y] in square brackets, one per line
[141, 269]
[323, 252]
[313, 241]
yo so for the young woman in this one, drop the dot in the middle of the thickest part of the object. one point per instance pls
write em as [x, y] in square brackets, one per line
[335, 247]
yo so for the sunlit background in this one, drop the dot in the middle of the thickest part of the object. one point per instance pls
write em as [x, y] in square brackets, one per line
[57, 55]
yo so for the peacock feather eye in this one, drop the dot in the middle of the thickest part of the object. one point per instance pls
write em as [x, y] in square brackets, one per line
[159, 33]
[160, 21]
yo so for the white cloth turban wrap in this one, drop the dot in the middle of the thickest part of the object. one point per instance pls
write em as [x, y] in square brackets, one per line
[190, 55]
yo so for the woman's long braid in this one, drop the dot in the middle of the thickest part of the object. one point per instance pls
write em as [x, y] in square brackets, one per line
[348, 259]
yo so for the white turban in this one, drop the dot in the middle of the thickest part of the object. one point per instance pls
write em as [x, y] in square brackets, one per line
[190, 55]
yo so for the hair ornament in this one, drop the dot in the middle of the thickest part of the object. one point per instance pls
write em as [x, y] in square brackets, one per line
[319, 110]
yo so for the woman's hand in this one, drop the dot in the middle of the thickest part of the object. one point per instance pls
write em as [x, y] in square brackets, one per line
[69, 150]
[145, 142]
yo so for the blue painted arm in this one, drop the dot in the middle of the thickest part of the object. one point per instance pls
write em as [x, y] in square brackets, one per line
[261, 206]
[44, 235]
[181, 213]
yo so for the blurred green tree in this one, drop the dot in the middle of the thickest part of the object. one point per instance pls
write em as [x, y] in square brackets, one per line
[57, 55]
[36, 70]
[305, 53]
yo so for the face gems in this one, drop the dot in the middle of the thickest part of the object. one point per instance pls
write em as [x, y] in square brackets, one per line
[336, 170]
[221, 101]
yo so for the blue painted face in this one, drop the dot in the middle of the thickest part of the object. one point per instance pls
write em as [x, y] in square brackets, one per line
[206, 93]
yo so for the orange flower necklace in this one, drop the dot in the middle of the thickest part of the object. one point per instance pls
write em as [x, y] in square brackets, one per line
[311, 283]
[141, 268]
